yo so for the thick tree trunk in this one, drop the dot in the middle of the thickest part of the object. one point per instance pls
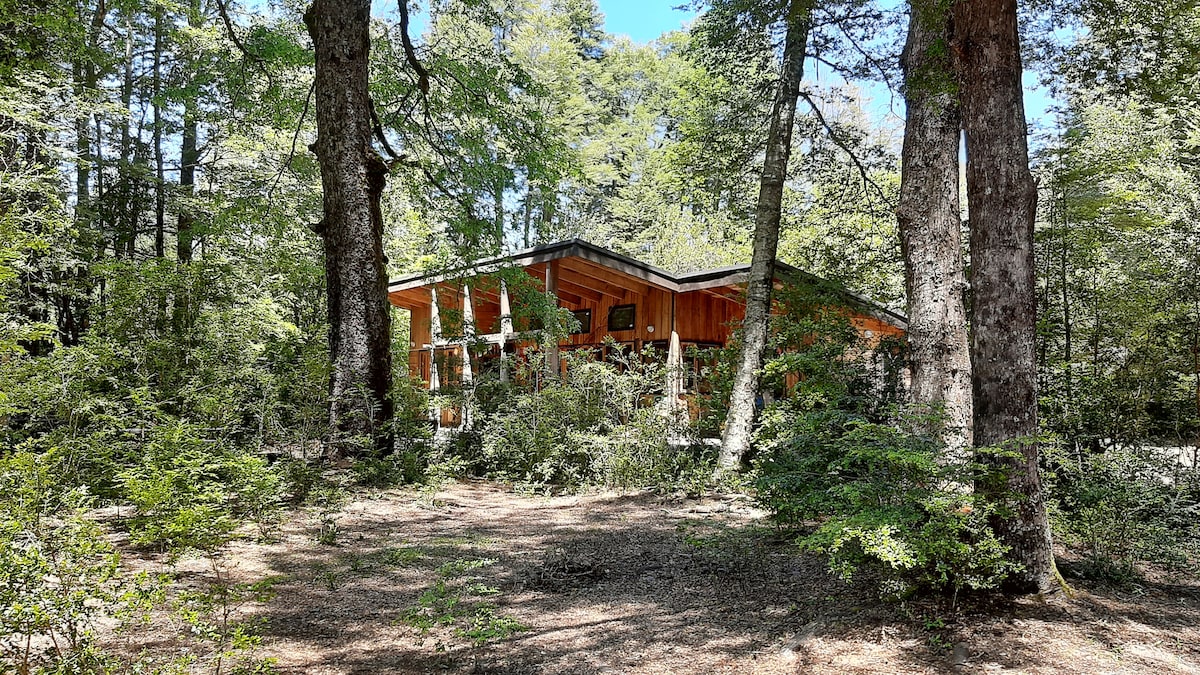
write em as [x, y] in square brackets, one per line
[929, 221]
[352, 178]
[735, 442]
[1003, 202]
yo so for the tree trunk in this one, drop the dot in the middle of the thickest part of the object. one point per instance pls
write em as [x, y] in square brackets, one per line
[1003, 201]
[125, 239]
[75, 294]
[1068, 386]
[183, 310]
[929, 220]
[189, 154]
[352, 179]
[528, 215]
[498, 218]
[160, 184]
[735, 442]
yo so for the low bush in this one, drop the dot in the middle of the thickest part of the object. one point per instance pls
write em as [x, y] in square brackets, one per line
[604, 424]
[192, 493]
[58, 574]
[879, 495]
[1124, 506]
[871, 485]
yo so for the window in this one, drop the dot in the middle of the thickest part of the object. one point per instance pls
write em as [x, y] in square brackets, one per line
[449, 366]
[584, 317]
[621, 317]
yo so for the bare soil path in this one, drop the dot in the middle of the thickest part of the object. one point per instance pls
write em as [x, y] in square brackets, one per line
[479, 579]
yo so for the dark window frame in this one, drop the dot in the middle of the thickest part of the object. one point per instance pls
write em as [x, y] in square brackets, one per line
[632, 317]
[585, 327]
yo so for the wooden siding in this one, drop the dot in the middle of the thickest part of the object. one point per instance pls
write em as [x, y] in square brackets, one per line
[703, 316]
[707, 316]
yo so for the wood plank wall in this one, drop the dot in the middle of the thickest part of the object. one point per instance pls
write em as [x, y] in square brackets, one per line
[700, 316]
[651, 309]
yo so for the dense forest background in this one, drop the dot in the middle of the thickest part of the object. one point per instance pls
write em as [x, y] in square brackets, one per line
[182, 189]
[163, 328]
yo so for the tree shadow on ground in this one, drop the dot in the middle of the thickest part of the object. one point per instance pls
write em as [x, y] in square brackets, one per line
[638, 583]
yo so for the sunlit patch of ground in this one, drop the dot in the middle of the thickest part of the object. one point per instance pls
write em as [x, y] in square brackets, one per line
[479, 579]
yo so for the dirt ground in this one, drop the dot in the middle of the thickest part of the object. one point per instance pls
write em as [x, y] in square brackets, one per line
[479, 579]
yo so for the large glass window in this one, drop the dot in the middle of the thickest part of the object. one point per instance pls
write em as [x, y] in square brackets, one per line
[621, 317]
[584, 317]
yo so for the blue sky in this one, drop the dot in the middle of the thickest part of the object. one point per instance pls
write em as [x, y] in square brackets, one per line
[645, 20]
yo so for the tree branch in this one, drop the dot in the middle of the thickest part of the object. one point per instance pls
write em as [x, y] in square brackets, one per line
[377, 128]
[410, 52]
[295, 137]
[223, 10]
[841, 143]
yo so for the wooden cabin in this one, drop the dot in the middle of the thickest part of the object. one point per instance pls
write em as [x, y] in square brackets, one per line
[608, 294]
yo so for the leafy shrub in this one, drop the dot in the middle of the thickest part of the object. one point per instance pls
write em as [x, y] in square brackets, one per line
[297, 479]
[401, 467]
[815, 353]
[192, 492]
[57, 572]
[881, 495]
[413, 447]
[603, 424]
[837, 454]
[1125, 506]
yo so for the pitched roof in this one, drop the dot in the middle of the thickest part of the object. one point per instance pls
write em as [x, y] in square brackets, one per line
[656, 276]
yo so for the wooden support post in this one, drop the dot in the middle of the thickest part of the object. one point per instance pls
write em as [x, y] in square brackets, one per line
[468, 336]
[676, 407]
[551, 348]
[435, 319]
[468, 376]
[435, 338]
[506, 329]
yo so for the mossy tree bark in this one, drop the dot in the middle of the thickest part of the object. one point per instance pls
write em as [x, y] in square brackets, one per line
[352, 179]
[929, 222]
[735, 441]
[1002, 199]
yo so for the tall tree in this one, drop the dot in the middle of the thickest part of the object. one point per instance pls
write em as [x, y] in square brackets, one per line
[1002, 199]
[352, 178]
[156, 104]
[189, 152]
[735, 442]
[929, 220]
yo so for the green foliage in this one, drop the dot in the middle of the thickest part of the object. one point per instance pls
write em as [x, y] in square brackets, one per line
[839, 456]
[603, 424]
[210, 615]
[193, 493]
[882, 496]
[58, 573]
[413, 448]
[816, 357]
[1126, 506]
[1119, 319]
[453, 600]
